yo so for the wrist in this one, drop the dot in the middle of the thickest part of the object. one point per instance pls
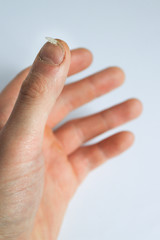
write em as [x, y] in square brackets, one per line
[48, 223]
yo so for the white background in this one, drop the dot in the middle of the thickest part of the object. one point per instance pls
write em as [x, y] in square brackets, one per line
[121, 199]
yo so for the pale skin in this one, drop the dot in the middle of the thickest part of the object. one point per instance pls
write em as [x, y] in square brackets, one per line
[40, 170]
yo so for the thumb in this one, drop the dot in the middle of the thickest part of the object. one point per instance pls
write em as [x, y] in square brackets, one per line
[40, 89]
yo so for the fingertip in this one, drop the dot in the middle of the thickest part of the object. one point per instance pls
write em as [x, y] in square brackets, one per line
[128, 136]
[66, 47]
[136, 106]
[88, 53]
[127, 139]
[85, 54]
[81, 58]
[118, 143]
[118, 75]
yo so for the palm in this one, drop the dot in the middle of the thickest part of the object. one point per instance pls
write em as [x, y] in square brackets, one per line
[60, 183]
[67, 162]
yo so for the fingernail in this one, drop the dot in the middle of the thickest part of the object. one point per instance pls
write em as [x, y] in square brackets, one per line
[52, 52]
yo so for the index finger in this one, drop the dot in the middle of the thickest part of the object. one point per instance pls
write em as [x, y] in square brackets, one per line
[81, 58]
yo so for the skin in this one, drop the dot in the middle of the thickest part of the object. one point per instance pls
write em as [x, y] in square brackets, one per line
[41, 169]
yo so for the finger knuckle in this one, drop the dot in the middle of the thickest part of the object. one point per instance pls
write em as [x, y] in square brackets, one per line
[34, 86]
[3, 119]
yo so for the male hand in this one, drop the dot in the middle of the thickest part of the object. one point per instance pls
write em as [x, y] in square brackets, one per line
[40, 170]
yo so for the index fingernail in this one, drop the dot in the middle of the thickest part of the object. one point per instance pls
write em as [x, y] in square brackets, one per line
[52, 53]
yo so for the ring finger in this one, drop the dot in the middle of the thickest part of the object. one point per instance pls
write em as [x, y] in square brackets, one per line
[76, 132]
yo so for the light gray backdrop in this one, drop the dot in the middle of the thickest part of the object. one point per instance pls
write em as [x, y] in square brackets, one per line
[121, 199]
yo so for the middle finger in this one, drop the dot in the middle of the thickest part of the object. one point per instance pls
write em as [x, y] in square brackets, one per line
[78, 93]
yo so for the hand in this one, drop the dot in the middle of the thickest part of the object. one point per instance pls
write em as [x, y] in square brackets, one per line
[41, 170]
